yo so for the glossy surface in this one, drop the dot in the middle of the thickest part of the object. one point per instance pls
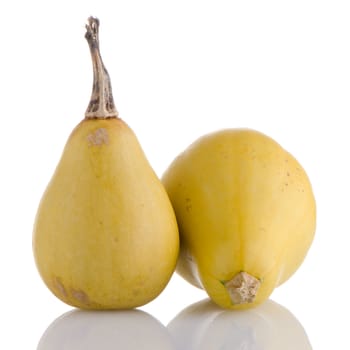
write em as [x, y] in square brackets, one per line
[201, 325]
[269, 326]
[90, 330]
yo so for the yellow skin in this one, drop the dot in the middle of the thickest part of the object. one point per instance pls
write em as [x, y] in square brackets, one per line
[105, 235]
[242, 204]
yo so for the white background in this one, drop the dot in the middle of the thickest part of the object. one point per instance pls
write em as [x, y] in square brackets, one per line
[179, 69]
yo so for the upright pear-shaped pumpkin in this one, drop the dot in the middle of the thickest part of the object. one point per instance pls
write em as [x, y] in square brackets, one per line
[105, 235]
[246, 214]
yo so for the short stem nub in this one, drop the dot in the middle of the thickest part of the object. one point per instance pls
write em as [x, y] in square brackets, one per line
[242, 288]
[101, 103]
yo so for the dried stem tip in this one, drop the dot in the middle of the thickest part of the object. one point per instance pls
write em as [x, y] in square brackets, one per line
[101, 103]
[242, 288]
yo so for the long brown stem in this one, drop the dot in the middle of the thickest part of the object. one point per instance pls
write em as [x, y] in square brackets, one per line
[101, 103]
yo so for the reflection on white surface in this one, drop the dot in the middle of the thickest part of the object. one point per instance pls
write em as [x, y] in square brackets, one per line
[204, 326]
[104, 330]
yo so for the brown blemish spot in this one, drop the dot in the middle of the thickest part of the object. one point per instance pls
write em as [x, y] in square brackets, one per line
[224, 154]
[188, 205]
[81, 296]
[252, 154]
[136, 292]
[59, 287]
[98, 137]
[189, 257]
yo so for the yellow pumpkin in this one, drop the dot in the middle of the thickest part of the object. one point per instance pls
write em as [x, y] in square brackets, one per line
[246, 214]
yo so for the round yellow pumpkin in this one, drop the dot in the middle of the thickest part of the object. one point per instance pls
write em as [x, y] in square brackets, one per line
[246, 214]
